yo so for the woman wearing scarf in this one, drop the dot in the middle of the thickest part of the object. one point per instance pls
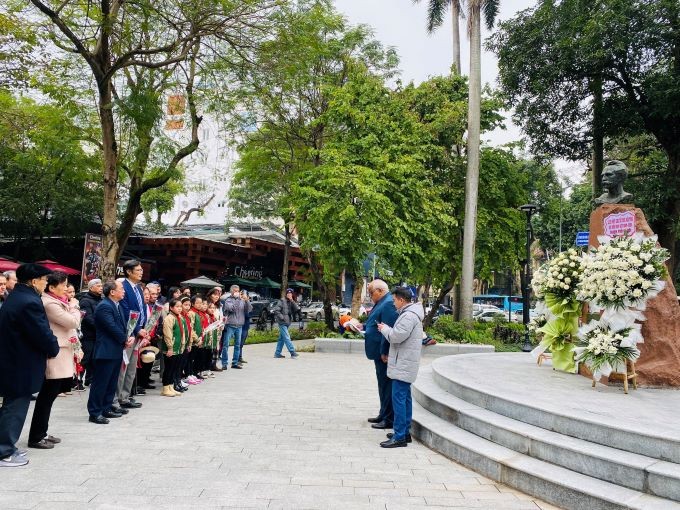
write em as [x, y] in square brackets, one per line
[172, 346]
[64, 319]
[183, 372]
[197, 326]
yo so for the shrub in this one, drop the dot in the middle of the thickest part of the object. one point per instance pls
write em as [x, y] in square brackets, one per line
[447, 330]
[316, 329]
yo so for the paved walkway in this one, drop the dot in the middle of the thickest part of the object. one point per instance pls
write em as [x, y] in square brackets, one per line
[281, 433]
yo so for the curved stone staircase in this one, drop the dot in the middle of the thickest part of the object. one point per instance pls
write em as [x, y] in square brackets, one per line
[583, 458]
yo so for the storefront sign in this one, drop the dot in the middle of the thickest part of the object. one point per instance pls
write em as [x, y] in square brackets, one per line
[249, 273]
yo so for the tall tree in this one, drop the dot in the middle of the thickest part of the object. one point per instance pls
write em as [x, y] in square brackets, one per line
[435, 18]
[550, 58]
[475, 10]
[113, 36]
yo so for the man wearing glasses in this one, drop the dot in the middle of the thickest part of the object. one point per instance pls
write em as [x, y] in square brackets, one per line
[377, 348]
[132, 302]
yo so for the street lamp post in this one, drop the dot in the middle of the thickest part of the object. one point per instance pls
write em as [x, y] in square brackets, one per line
[527, 209]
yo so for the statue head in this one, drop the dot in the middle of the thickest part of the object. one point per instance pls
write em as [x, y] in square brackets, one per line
[614, 174]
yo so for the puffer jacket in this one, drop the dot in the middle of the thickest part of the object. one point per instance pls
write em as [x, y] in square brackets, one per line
[405, 339]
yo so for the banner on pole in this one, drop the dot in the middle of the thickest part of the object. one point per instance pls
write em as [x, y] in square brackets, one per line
[92, 259]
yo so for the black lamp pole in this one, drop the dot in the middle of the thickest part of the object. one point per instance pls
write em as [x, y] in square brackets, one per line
[528, 209]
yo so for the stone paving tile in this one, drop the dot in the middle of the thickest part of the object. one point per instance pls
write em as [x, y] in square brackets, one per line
[280, 434]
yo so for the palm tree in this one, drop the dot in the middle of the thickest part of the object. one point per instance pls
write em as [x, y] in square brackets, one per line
[475, 10]
[435, 18]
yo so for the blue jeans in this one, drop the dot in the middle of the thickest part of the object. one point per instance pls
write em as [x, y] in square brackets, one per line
[403, 409]
[284, 338]
[229, 333]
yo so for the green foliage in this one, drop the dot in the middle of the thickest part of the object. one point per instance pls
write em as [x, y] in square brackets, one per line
[316, 329]
[504, 337]
[48, 183]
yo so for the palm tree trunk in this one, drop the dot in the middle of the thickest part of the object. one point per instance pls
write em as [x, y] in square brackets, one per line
[455, 19]
[472, 178]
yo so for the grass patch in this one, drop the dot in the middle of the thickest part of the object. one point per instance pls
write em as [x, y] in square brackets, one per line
[504, 336]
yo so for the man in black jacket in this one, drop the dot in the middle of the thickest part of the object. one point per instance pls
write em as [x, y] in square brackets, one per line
[25, 344]
[284, 311]
[88, 303]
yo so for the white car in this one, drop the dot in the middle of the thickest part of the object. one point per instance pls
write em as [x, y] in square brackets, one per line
[477, 309]
[314, 311]
[491, 315]
[518, 315]
[344, 309]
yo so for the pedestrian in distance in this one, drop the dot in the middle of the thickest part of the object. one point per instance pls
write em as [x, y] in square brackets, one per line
[26, 343]
[284, 311]
[405, 339]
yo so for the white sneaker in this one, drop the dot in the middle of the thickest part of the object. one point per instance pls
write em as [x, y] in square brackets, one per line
[14, 461]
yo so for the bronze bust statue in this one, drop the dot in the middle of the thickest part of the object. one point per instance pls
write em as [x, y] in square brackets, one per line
[614, 174]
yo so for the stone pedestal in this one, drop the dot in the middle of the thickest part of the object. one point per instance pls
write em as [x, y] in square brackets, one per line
[659, 363]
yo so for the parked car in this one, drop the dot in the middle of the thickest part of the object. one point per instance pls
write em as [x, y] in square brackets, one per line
[315, 312]
[477, 309]
[517, 316]
[261, 310]
[344, 309]
[491, 315]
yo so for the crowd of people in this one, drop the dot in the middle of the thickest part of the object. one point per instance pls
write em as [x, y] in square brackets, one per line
[111, 338]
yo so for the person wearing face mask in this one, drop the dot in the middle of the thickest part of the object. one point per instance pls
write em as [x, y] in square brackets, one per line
[236, 308]
[25, 345]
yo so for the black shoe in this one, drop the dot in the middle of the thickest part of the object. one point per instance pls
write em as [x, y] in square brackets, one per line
[377, 419]
[241, 360]
[43, 444]
[52, 439]
[381, 425]
[99, 420]
[131, 405]
[149, 386]
[199, 376]
[130, 399]
[391, 443]
[179, 388]
[140, 391]
[390, 435]
[119, 410]
[237, 366]
[111, 414]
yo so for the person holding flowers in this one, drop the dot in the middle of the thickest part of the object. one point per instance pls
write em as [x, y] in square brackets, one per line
[64, 320]
[174, 329]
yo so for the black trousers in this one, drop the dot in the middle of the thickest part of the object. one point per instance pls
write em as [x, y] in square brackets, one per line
[144, 374]
[87, 362]
[43, 407]
[384, 391]
[170, 369]
[12, 417]
[104, 385]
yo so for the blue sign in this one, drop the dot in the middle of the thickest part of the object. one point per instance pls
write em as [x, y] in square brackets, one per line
[582, 238]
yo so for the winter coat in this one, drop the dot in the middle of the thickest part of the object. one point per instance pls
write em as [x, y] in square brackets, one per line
[26, 341]
[64, 320]
[405, 339]
[384, 311]
[284, 311]
[88, 304]
[236, 310]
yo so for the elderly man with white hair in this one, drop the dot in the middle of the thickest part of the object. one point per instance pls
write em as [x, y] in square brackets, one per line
[377, 349]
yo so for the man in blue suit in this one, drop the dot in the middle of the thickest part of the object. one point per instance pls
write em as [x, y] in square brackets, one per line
[377, 348]
[132, 302]
[111, 338]
[26, 341]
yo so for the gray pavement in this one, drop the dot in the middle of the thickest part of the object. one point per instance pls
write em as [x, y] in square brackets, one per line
[281, 433]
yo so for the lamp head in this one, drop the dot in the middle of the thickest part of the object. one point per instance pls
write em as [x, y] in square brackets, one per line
[529, 209]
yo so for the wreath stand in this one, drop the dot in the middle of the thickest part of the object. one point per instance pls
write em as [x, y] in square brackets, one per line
[626, 376]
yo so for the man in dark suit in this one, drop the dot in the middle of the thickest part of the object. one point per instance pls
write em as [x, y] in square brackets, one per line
[377, 348]
[111, 339]
[132, 302]
[26, 341]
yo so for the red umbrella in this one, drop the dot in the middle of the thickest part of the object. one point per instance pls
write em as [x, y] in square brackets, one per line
[8, 265]
[56, 266]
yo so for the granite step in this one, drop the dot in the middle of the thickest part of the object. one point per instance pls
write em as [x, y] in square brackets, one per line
[555, 484]
[509, 385]
[634, 471]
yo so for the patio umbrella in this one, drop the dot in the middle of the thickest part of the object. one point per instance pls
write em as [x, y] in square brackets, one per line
[267, 283]
[235, 280]
[8, 265]
[300, 285]
[56, 266]
[202, 282]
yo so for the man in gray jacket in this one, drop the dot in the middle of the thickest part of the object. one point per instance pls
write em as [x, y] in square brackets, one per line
[405, 339]
[284, 311]
[236, 309]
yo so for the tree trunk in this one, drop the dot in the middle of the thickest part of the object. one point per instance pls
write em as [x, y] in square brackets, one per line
[455, 19]
[427, 322]
[323, 290]
[667, 230]
[356, 295]
[598, 136]
[472, 176]
[286, 257]
[110, 156]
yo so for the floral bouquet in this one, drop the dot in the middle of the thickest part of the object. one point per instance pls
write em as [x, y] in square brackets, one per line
[606, 349]
[153, 318]
[132, 322]
[562, 276]
[623, 272]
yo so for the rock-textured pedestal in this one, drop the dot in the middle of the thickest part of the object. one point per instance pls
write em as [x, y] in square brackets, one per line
[659, 363]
